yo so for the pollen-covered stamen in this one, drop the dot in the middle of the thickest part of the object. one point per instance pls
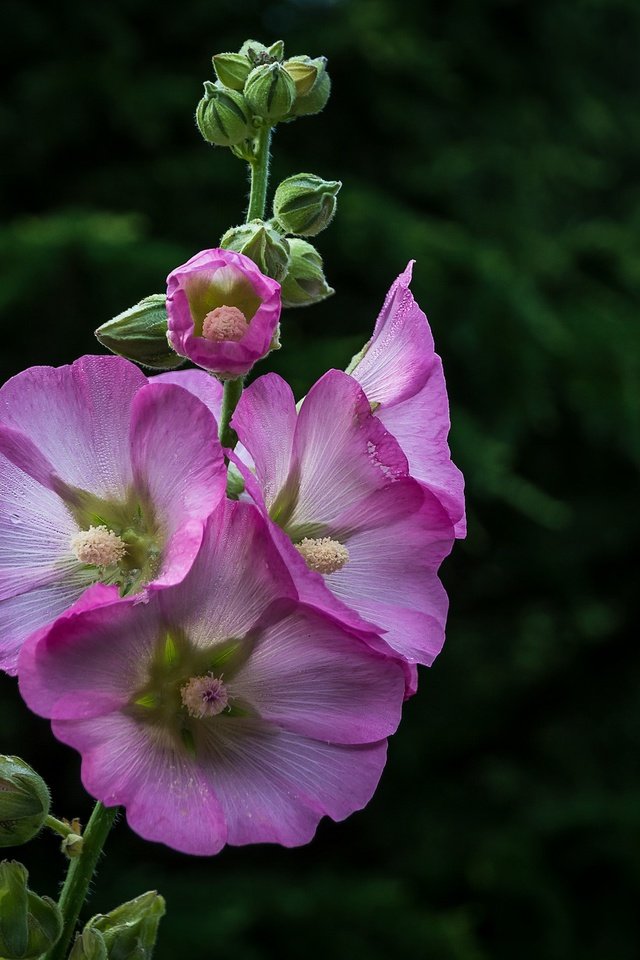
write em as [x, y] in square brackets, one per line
[323, 554]
[204, 696]
[98, 546]
[225, 323]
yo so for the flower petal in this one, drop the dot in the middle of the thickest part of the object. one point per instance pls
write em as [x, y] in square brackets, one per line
[202, 385]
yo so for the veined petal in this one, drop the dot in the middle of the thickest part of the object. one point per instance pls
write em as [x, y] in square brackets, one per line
[202, 385]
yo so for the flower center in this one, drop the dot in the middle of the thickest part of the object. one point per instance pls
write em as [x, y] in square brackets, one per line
[323, 554]
[225, 323]
[204, 696]
[98, 546]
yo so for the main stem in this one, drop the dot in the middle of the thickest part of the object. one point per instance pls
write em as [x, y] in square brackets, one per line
[259, 170]
[79, 874]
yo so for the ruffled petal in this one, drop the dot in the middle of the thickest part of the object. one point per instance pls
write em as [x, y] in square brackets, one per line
[78, 418]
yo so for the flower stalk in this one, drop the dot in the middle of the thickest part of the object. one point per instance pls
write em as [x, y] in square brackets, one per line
[79, 876]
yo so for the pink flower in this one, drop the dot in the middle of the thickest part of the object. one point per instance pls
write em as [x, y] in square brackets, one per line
[363, 539]
[402, 377]
[223, 710]
[223, 313]
[103, 477]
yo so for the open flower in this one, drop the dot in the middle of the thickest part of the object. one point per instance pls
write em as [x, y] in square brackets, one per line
[222, 312]
[223, 710]
[402, 377]
[103, 477]
[360, 533]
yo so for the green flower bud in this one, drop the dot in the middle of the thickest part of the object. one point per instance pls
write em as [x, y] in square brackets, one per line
[89, 945]
[29, 924]
[305, 282]
[258, 53]
[140, 334]
[24, 802]
[303, 72]
[129, 932]
[316, 99]
[222, 116]
[262, 244]
[72, 846]
[270, 92]
[305, 204]
[232, 69]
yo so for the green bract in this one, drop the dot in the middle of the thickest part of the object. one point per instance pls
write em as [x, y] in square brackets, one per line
[262, 244]
[305, 282]
[29, 924]
[24, 802]
[89, 945]
[316, 99]
[129, 932]
[270, 92]
[140, 334]
[232, 69]
[222, 116]
[305, 204]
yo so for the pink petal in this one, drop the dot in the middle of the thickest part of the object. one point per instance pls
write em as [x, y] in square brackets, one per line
[78, 418]
[202, 385]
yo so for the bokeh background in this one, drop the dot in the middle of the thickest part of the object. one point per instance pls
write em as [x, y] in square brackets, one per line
[496, 142]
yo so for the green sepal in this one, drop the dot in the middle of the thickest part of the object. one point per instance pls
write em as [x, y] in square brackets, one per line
[305, 281]
[89, 945]
[305, 204]
[140, 334]
[24, 802]
[270, 92]
[130, 931]
[232, 69]
[29, 925]
[223, 116]
[262, 244]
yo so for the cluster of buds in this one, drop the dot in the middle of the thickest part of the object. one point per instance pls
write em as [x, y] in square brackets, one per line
[303, 205]
[129, 932]
[258, 86]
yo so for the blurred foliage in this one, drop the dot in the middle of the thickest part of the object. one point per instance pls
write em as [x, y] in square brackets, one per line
[496, 142]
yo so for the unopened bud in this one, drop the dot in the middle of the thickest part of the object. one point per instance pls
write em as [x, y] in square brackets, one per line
[129, 932]
[232, 69]
[89, 945]
[140, 334]
[305, 282]
[72, 845]
[316, 99]
[222, 116]
[29, 924]
[262, 244]
[305, 204]
[303, 72]
[270, 92]
[24, 802]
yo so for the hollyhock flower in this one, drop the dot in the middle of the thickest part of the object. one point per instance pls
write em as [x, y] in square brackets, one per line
[361, 535]
[402, 377]
[223, 710]
[222, 312]
[99, 480]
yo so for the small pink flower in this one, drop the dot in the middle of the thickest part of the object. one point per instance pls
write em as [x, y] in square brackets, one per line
[362, 538]
[103, 477]
[223, 313]
[402, 377]
[223, 710]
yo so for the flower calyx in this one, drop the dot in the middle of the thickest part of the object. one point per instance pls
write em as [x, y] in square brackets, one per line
[259, 241]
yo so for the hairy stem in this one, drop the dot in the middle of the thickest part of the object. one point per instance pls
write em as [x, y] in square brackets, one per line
[79, 874]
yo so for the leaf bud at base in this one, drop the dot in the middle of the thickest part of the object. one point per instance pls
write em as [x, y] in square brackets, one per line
[24, 802]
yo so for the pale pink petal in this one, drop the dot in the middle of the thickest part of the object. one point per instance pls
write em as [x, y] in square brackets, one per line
[202, 385]
[307, 675]
[178, 464]
[78, 418]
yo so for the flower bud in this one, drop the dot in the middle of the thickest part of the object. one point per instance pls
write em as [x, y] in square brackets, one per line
[89, 945]
[29, 924]
[305, 204]
[303, 72]
[305, 282]
[222, 116]
[316, 99]
[140, 334]
[258, 53]
[232, 69]
[72, 845]
[24, 802]
[262, 244]
[129, 932]
[270, 92]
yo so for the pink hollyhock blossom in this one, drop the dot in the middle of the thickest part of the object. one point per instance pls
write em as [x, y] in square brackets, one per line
[223, 313]
[402, 377]
[102, 477]
[360, 533]
[223, 710]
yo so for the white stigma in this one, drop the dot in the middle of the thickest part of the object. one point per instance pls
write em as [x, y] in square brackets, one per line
[204, 696]
[225, 323]
[98, 547]
[323, 554]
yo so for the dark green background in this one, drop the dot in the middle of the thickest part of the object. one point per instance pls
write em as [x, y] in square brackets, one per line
[497, 143]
